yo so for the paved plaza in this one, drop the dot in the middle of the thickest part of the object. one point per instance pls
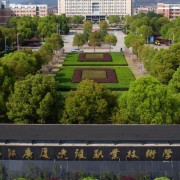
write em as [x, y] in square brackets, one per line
[68, 40]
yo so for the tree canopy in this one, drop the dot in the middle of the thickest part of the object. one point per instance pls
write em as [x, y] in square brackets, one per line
[146, 102]
[35, 100]
[91, 103]
[78, 40]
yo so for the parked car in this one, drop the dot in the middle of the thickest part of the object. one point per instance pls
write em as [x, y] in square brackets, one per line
[77, 50]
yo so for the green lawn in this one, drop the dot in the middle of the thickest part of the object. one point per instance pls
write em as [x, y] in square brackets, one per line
[91, 74]
[124, 76]
[117, 60]
[94, 56]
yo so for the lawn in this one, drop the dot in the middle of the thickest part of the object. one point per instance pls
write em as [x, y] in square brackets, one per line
[94, 56]
[124, 76]
[117, 60]
[91, 74]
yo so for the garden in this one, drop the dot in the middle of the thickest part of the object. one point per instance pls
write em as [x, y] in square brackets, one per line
[108, 68]
[94, 59]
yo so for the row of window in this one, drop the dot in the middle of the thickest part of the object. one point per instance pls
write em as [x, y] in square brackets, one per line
[25, 7]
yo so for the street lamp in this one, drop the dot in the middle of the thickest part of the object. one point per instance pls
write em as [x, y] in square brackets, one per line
[5, 43]
[18, 40]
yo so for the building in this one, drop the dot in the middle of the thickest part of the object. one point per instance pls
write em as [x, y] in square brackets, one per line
[169, 10]
[53, 10]
[95, 10]
[93, 149]
[144, 9]
[4, 12]
[29, 10]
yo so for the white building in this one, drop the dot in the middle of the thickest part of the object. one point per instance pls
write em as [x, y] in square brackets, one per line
[95, 10]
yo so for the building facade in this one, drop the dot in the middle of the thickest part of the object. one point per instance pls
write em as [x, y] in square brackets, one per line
[95, 10]
[4, 12]
[29, 10]
[169, 10]
[144, 9]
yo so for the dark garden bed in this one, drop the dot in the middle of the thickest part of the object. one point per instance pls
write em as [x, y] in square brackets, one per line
[94, 57]
[100, 75]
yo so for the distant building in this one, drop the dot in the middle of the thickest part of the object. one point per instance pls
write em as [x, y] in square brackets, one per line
[53, 10]
[29, 10]
[144, 9]
[4, 12]
[169, 10]
[95, 10]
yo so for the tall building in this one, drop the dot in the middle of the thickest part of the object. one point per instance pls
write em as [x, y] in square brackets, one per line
[95, 10]
[169, 10]
[4, 12]
[29, 10]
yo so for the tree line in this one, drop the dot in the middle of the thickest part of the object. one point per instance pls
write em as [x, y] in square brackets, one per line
[94, 37]
[28, 27]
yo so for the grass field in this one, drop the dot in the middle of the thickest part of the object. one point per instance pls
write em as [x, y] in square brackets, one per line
[94, 56]
[124, 76]
[117, 60]
[91, 74]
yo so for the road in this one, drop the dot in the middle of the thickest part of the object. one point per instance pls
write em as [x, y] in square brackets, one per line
[68, 39]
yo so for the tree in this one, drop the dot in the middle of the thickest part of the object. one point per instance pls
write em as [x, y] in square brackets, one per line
[6, 87]
[103, 29]
[78, 40]
[145, 31]
[164, 64]
[110, 39]
[90, 103]
[146, 102]
[77, 19]
[20, 64]
[95, 39]
[55, 42]
[146, 54]
[174, 87]
[87, 29]
[114, 19]
[35, 100]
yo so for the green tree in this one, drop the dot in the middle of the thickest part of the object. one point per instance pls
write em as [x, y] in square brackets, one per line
[145, 31]
[35, 100]
[94, 39]
[87, 29]
[164, 64]
[90, 103]
[77, 19]
[146, 102]
[20, 64]
[114, 19]
[174, 83]
[103, 29]
[146, 54]
[55, 42]
[78, 40]
[110, 39]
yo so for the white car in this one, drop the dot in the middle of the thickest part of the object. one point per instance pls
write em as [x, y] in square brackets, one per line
[77, 50]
